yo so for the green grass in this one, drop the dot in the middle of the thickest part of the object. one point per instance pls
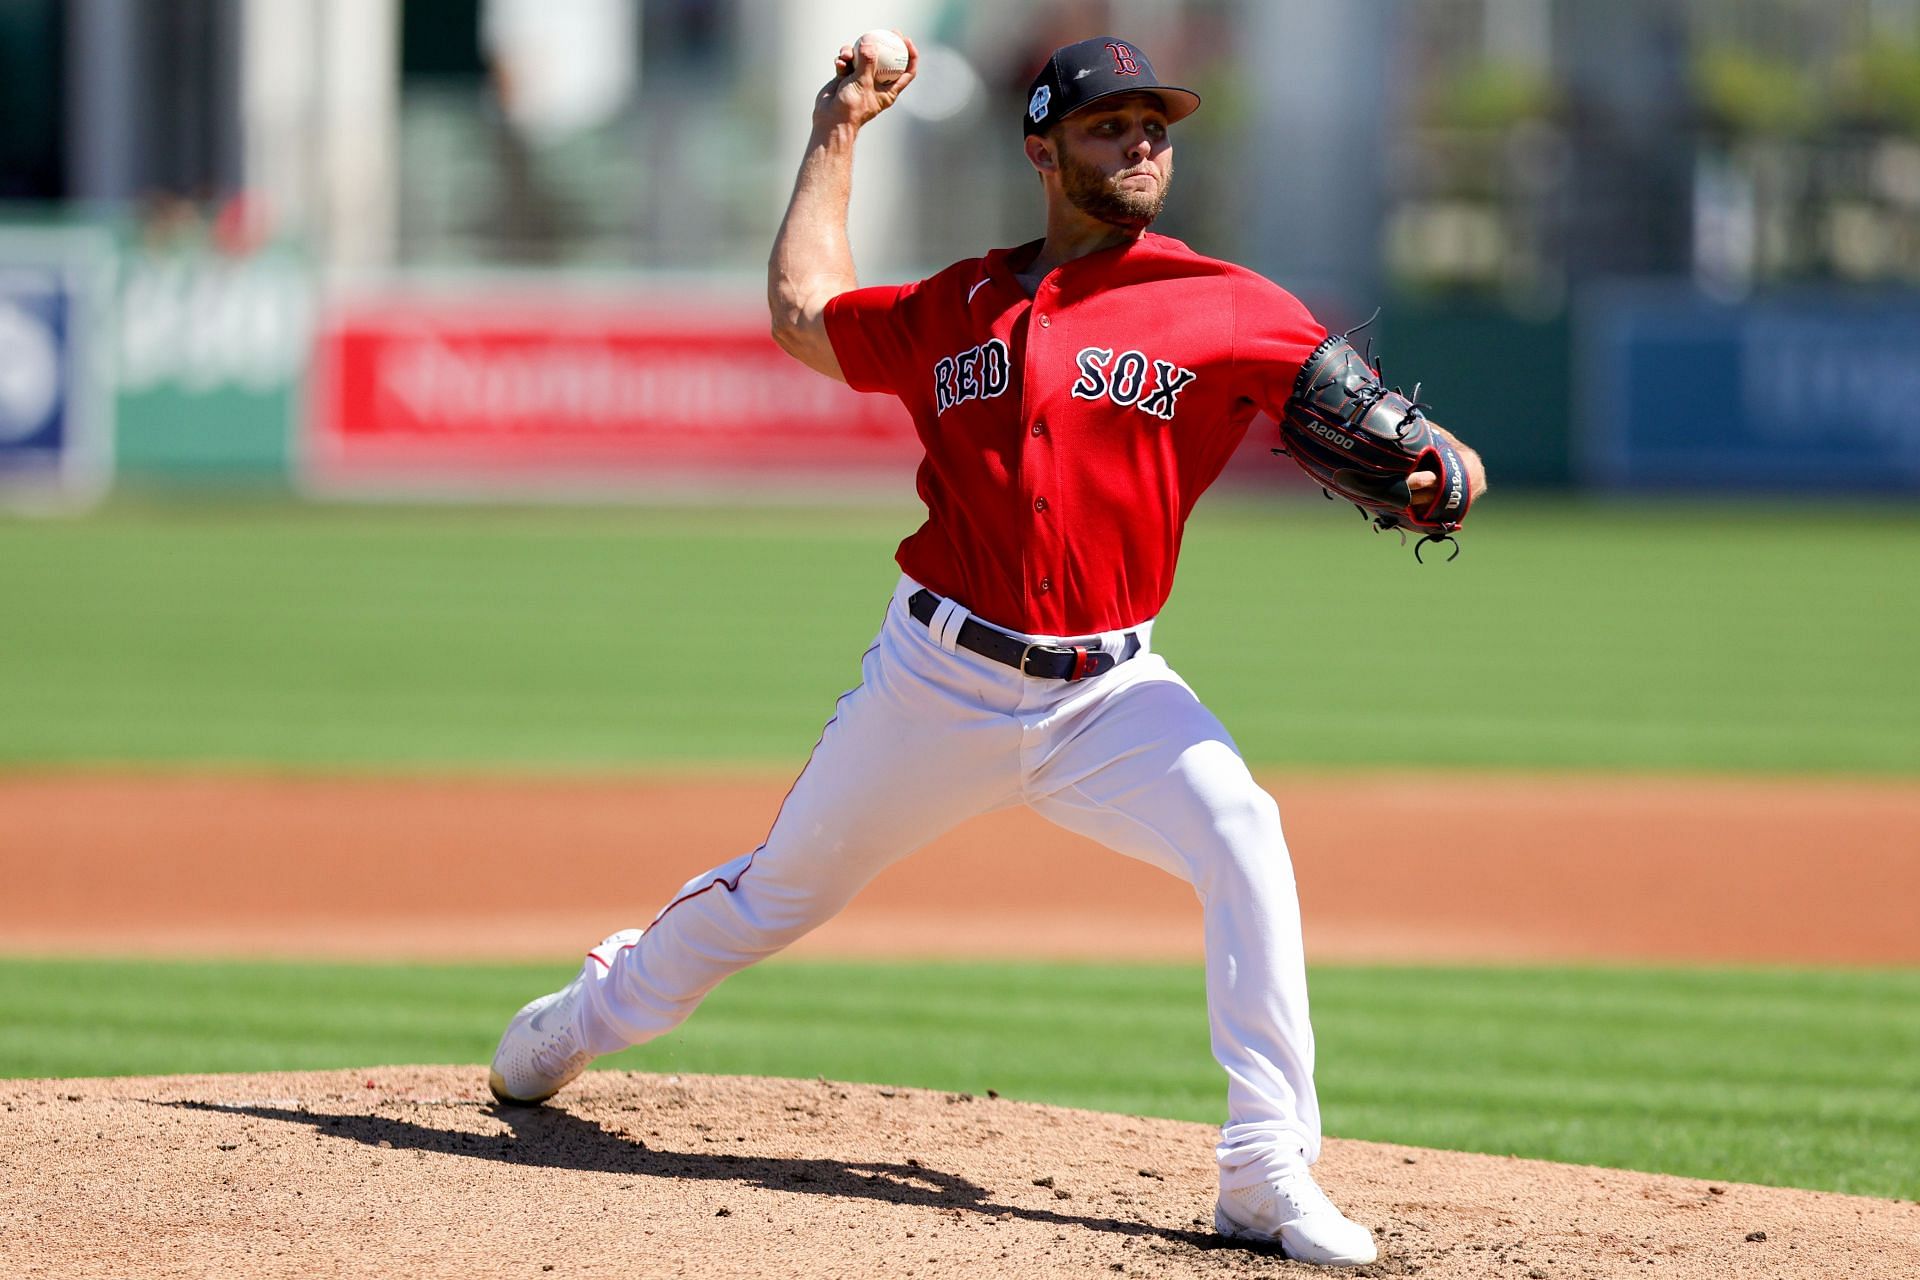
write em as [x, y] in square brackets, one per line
[1566, 635]
[1792, 1078]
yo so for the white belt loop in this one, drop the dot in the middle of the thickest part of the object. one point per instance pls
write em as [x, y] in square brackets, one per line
[944, 627]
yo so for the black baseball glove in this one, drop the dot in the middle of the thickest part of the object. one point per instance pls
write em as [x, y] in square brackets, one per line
[1360, 440]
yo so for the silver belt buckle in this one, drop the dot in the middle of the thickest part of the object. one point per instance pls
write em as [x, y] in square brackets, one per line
[1093, 657]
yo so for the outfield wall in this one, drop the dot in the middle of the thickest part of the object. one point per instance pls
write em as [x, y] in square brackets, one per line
[493, 388]
[185, 363]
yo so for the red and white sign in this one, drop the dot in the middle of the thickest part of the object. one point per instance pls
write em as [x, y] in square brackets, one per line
[454, 390]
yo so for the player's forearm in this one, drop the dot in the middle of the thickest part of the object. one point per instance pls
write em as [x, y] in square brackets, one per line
[812, 262]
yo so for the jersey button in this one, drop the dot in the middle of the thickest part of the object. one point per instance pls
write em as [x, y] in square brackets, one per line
[1039, 504]
[1039, 428]
[1046, 322]
[1046, 585]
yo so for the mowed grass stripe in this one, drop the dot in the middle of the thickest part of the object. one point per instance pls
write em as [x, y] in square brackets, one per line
[1566, 635]
[1615, 635]
[1794, 1078]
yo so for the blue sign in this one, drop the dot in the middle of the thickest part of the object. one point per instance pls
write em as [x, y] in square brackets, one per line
[36, 309]
[1812, 391]
[56, 427]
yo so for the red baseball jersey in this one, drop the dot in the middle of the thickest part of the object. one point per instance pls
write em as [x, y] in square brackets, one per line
[1069, 435]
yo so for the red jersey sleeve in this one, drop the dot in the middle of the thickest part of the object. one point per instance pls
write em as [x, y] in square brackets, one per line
[1274, 334]
[872, 334]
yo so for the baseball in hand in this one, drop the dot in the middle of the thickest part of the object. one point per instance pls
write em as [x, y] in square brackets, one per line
[889, 55]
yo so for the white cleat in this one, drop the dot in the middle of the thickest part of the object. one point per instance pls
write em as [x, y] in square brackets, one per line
[1293, 1212]
[541, 1053]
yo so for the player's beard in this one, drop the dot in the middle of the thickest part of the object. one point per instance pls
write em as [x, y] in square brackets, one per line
[1110, 199]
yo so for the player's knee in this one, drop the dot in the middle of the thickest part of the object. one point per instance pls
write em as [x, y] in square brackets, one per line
[1250, 823]
[791, 902]
[1244, 844]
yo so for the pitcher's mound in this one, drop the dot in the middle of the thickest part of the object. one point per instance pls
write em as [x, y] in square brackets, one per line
[413, 1171]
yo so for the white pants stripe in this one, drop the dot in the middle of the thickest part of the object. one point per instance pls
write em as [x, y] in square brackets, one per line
[934, 736]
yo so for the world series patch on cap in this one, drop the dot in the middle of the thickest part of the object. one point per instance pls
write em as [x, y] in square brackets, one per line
[1082, 73]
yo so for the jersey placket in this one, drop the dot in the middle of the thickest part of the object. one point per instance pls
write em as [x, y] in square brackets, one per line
[1043, 550]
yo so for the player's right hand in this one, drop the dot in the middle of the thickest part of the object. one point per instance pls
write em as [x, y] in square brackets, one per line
[852, 97]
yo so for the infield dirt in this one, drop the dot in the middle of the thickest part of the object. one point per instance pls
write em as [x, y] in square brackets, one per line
[1429, 868]
[413, 1172]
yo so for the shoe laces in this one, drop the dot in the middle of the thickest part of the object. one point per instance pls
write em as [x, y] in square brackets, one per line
[1278, 1201]
[1303, 1195]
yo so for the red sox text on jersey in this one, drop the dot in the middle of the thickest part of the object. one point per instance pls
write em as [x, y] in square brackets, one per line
[1124, 380]
[1070, 431]
[977, 373]
[1129, 379]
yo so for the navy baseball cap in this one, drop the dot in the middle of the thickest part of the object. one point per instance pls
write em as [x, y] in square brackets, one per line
[1082, 73]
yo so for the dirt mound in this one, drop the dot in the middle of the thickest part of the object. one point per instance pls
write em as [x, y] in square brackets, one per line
[412, 1171]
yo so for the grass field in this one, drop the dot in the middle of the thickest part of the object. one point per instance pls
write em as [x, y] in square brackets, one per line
[1567, 634]
[1791, 1078]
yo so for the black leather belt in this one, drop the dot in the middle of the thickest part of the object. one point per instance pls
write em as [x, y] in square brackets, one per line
[1043, 661]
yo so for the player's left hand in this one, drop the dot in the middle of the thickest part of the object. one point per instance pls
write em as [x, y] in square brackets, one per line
[1374, 446]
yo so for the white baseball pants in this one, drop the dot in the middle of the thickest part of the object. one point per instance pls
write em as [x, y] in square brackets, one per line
[936, 734]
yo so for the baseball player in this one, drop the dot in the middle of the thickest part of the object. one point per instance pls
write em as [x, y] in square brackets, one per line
[1075, 395]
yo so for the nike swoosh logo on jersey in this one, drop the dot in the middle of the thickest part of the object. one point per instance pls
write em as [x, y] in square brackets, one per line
[976, 288]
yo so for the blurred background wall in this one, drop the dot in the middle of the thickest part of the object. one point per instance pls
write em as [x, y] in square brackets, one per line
[517, 245]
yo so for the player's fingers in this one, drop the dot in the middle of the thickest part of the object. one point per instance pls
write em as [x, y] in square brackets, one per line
[864, 64]
[1422, 481]
[913, 65]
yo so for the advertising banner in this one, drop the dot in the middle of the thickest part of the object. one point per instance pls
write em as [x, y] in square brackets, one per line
[1811, 391]
[55, 431]
[211, 347]
[502, 392]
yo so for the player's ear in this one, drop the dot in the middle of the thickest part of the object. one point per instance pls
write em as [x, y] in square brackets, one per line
[1040, 154]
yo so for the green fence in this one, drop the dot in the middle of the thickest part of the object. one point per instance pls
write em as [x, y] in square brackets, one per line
[1503, 381]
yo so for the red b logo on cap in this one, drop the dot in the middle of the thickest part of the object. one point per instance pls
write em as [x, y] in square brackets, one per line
[1123, 63]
